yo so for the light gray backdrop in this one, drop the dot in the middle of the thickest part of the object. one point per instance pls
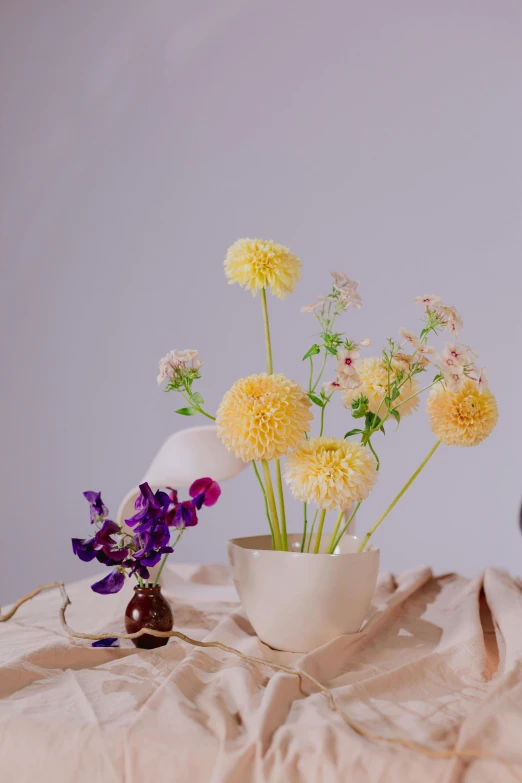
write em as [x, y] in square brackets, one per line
[138, 140]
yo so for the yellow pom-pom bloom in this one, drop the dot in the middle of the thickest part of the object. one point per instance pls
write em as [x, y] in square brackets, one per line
[373, 375]
[257, 264]
[330, 473]
[462, 418]
[263, 417]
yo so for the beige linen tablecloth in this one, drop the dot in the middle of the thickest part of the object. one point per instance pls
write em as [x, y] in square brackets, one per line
[439, 662]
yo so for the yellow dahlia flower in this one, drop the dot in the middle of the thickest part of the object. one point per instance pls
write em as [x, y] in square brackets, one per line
[263, 417]
[462, 418]
[373, 375]
[330, 473]
[256, 264]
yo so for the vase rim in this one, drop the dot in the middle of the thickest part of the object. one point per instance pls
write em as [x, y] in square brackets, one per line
[147, 589]
[246, 543]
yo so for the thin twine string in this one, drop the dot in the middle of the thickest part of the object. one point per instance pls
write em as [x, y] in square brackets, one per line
[450, 753]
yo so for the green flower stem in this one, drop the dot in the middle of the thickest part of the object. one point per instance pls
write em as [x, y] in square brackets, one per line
[197, 407]
[162, 566]
[377, 460]
[279, 534]
[312, 530]
[206, 414]
[415, 395]
[267, 332]
[272, 504]
[399, 496]
[284, 536]
[305, 525]
[267, 512]
[321, 371]
[331, 543]
[322, 421]
[326, 401]
[319, 532]
[311, 376]
[345, 528]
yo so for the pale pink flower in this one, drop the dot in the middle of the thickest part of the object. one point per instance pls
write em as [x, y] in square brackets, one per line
[321, 302]
[448, 363]
[340, 278]
[415, 343]
[482, 381]
[410, 338]
[452, 321]
[425, 349]
[428, 301]
[350, 381]
[174, 361]
[404, 360]
[349, 296]
[347, 362]
[454, 379]
[168, 365]
[344, 383]
[347, 290]
[457, 352]
[311, 308]
[364, 343]
[188, 355]
[332, 386]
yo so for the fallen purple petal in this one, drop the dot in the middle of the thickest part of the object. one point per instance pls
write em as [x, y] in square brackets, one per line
[112, 583]
[112, 642]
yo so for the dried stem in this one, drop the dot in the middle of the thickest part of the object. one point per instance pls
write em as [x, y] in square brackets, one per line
[450, 753]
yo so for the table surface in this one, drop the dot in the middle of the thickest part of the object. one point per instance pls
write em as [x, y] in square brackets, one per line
[438, 662]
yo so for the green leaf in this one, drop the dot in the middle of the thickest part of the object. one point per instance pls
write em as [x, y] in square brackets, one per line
[372, 420]
[360, 407]
[313, 351]
[196, 398]
[331, 350]
[317, 400]
[186, 411]
[353, 432]
[395, 393]
[396, 415]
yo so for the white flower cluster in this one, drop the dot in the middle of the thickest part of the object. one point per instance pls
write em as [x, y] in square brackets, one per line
[176, 362]
[457, 361]
[344, 295]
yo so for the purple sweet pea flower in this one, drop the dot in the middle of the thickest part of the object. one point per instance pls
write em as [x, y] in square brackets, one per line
[103, 536]
[84, 548]
[97, 507]
[150, 507]
[111, 642]
[204, 492]
[153, 557]
[112, 583]
[112, 557]
[135, 567]
[182, 515]
[160, 536]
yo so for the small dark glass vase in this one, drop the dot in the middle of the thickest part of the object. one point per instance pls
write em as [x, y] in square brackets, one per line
[148, 609]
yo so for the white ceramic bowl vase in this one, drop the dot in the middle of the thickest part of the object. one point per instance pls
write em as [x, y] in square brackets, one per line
[297, 601]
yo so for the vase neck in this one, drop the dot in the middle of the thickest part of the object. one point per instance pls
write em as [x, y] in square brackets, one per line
[156, 590]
